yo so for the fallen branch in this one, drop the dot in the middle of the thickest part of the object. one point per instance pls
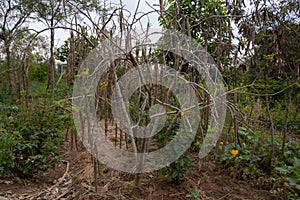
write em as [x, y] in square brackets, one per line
[63, 177]
[55, 185]
[225, 195]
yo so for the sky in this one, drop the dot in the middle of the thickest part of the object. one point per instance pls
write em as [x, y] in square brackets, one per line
[61, 35]
[143, 7]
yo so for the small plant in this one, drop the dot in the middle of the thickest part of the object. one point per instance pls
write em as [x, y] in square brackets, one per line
[288, 179]
[252, 159]
[193, 195]
[175, 171]
[72, 175]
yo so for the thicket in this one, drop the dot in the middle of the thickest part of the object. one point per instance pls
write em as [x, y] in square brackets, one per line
[30, 138]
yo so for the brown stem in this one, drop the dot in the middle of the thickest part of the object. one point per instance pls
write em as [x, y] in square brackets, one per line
[286, 119]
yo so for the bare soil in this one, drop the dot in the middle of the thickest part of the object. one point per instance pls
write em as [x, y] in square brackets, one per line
[73, 178]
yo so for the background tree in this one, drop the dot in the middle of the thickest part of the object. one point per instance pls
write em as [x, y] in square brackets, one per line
[208, 23]
[51, 13]
[204, 20]
[22, 57]
[13, 14]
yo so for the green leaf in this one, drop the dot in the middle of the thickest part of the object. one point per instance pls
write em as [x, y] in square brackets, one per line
[296, 162]
[282, 170]
[293, 181]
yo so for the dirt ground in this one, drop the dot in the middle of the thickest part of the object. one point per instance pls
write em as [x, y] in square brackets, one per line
[73, 178]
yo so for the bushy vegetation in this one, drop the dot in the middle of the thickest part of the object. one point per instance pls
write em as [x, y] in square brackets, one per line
[251, 158]
[30, 138]
[175, 172]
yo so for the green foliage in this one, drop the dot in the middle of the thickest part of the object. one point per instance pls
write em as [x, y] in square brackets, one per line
[4, 94]
[250, 155]
[7, 143]
[30, 138]
[82, 47]
[175, 171]
[37, 90]
[197, 142]
[62, 52]
[289, 178]
[203, 27]
[38, 70]
[193, 195]
[279, 112]
[253, 161]
[274, 85]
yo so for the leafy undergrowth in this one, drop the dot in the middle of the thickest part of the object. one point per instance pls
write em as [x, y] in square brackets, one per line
[232, 171]
[251, 159]
[29, 139]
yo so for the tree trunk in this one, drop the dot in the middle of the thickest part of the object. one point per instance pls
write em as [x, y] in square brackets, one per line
[18, 85]
[25, 64]
[70, 72]
[297, 106]
[51, 66]
[206, 110]
[11, 75]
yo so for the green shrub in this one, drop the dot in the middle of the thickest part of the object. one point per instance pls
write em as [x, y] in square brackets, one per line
[252, 160]
[287, 177]
[4, 94]
[39, 71]
[175, 171]
[293, 125]
[30, 138]
[7, 143]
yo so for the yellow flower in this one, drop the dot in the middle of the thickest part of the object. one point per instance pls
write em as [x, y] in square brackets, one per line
[221, 143]
[85, 72]
[299, 179]
[234, 152]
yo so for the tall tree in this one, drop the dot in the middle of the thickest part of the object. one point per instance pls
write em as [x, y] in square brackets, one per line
[51, 13]
[275, 53]
[13, 14]
[204, 20]
[55, 12]
[21, 56]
